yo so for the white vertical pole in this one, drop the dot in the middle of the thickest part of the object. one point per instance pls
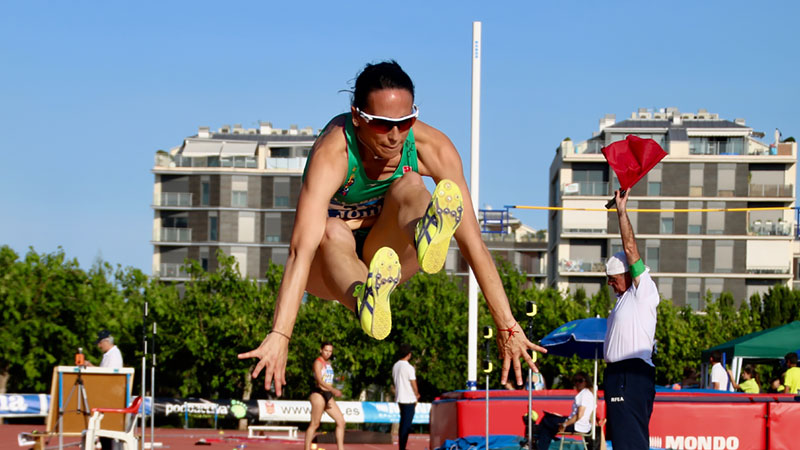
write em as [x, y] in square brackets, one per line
[472, 365]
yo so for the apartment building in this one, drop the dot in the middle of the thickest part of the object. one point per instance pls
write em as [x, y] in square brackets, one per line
[738, 235]
[236, 189]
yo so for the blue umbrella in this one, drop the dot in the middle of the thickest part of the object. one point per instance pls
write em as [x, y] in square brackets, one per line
[582, 337]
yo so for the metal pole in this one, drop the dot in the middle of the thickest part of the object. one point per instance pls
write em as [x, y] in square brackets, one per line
[472, 338]
[487, 369]
[530, 311]
[594, 411]
[153, 391]
[144, 373]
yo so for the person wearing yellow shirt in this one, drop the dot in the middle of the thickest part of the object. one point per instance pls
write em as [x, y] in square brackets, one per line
[750, 385]
[791, 379]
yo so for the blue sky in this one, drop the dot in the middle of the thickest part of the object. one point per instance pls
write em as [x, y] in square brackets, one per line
[90, 90]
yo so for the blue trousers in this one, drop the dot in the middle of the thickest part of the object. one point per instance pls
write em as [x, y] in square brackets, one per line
[629, 393]
[406, 418]
[548, 428]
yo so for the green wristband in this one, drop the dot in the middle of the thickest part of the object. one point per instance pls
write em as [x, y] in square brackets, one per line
[637, 268]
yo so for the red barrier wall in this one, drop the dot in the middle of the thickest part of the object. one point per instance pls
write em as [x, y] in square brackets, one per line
[784, 426]
[680, 420]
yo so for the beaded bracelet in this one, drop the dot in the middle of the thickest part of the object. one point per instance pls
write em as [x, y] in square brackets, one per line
[288, 338]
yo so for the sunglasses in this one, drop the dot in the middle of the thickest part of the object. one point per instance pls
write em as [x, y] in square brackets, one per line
[385, 124]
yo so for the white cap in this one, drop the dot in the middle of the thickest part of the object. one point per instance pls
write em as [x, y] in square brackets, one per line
[617, 264]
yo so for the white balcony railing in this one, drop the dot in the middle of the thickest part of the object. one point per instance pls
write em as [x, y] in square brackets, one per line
[286, 163]
[770, 228]
[172, 270]
[768, 269]
[580, 265]
[596, 188]
[175, 235]
[770, 190]
[174, 199]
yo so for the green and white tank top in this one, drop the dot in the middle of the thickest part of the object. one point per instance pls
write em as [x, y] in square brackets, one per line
[360, 196]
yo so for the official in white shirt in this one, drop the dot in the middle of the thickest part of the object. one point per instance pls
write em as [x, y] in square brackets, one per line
[406, 392]
[628, 347]
[112, 357]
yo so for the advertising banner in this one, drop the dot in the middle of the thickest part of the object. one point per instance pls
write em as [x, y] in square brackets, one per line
[24, 405]
[354, 412]
[202, 408]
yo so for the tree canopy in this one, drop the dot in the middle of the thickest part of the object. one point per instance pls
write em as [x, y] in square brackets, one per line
[50, 307]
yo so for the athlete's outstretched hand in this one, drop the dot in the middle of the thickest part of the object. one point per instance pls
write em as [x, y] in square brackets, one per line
[272, 353]
[513, 345]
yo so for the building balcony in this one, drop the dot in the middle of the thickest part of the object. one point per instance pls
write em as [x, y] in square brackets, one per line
[770, 228]
[770, 190]
[172, 270]
[581, 266]
[173, 199]
[781, 270]
[166, 234]
[593, 147]
[592, 188]
[298, 163]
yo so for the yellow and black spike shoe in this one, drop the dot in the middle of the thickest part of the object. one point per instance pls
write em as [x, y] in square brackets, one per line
[372, 297]
[437, 226]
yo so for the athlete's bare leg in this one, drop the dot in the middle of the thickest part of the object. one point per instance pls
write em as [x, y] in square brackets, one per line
[317, 407]
[337, 416]
[336, 268]
[405, 203]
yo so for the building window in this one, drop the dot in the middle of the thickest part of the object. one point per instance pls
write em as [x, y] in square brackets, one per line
[667, 225]
[717, 145]
[693, 300]
[723, 257]
[213, 227]
[696, 179]
[615, 246]
[695, 218]
[590, 180]
[715, 220]
[205, 193]
[654, 182]
[272, 227]
[651, 255]
[281, 192]
[726, 180]
[694, 249]
[239, 161]
[280, 152]
[180, 220]
[239, 198]
[665, 287]
[204, 258]
[714, 287]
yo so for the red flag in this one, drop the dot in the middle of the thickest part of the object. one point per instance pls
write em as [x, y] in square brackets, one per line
[632, 158]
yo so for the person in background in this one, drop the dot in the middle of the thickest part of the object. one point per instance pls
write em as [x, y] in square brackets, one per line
[580, 420]
[406, 392]
[751, 384]
[321, 397]
[689, 378]
[775, 386]
[791, 378]
[719, 376]
[112, 357]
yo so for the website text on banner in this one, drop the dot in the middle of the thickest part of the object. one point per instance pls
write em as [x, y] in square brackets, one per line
[354, 412]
